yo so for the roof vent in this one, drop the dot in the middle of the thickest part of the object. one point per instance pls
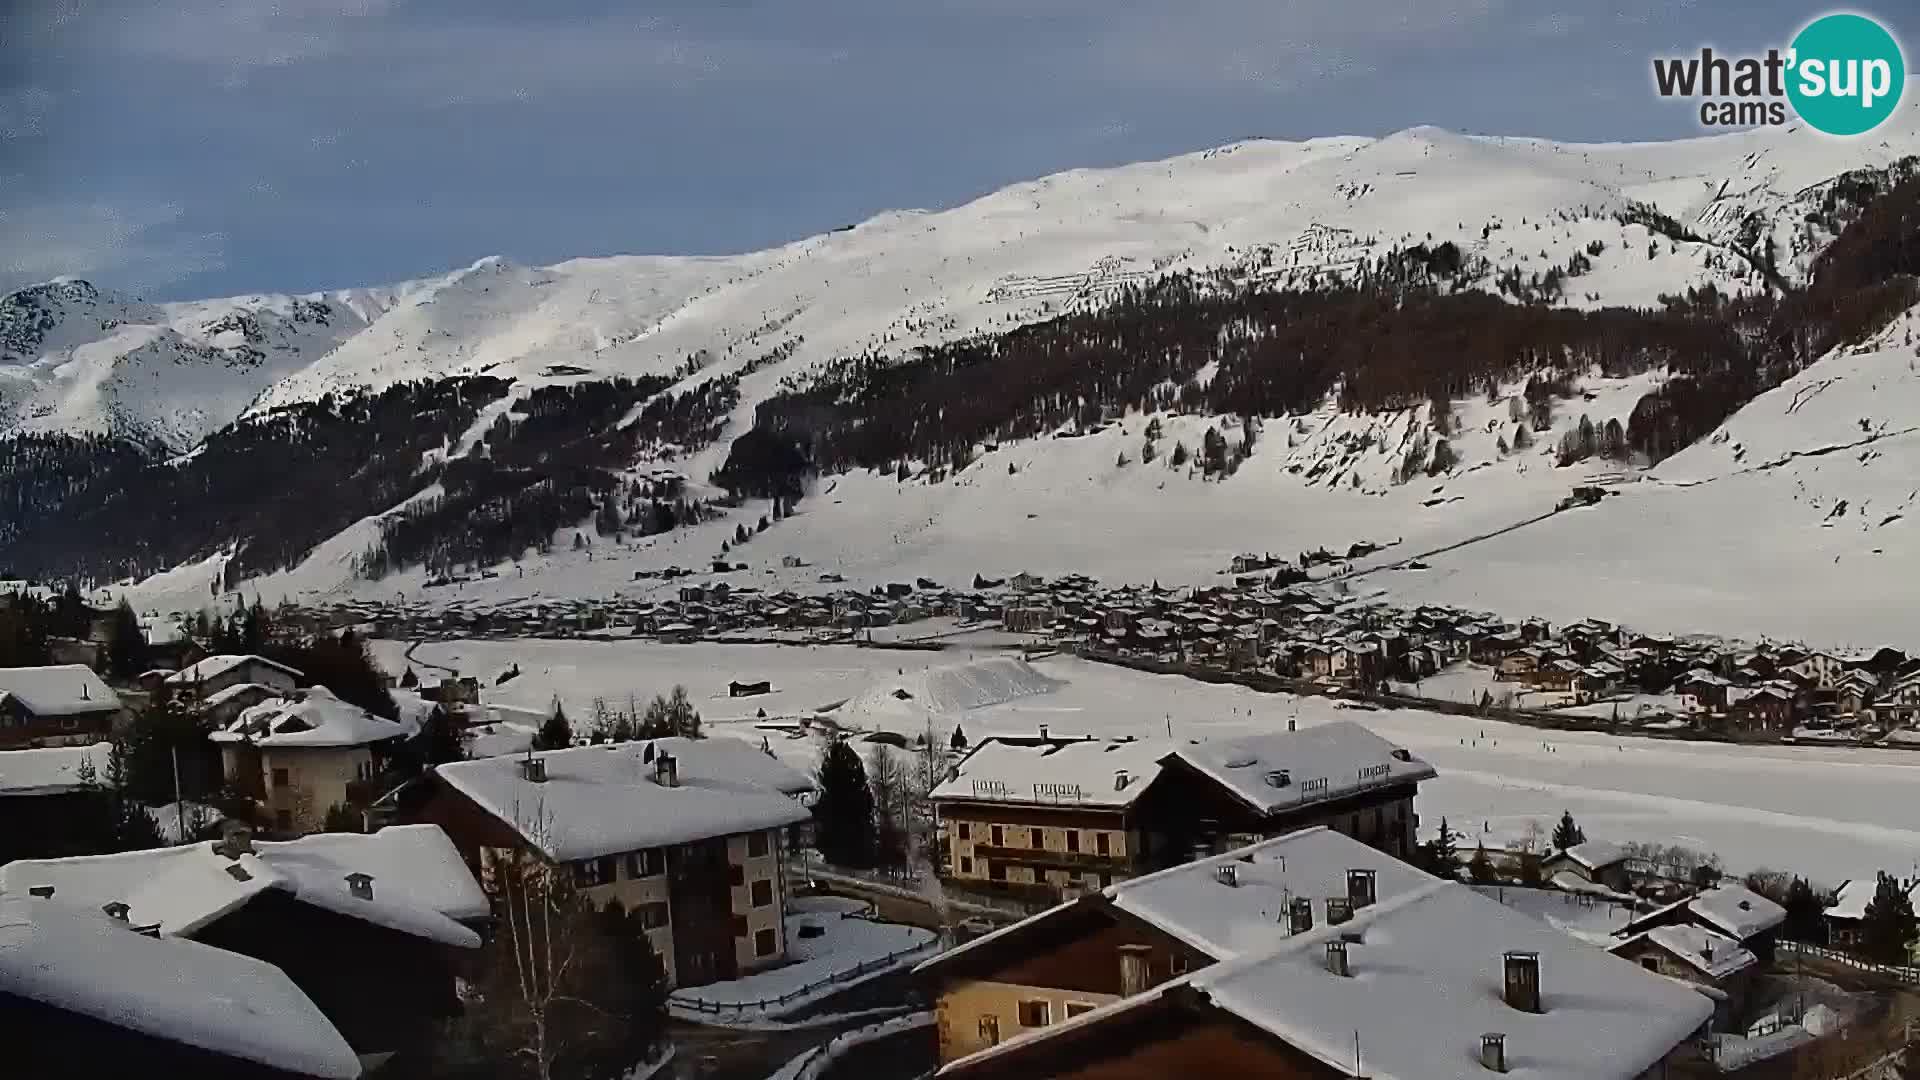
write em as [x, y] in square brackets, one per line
[1300, 916]
[238, 872]
[1239, 762]
[1746, 905]
[1278, 778]
[1493, 1051]
[1402, 754]
[42, 891]
[116, 910]
[1337, 958]
[1228, 875]
[1339, 910]
[360, 885]
[533, 770]
[1121, 780]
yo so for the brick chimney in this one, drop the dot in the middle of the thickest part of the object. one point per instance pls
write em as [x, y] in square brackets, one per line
[1523, 981]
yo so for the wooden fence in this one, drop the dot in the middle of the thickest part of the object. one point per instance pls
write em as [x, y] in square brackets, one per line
[1909, 976]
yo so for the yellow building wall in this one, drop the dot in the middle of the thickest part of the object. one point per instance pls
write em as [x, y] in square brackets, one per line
[1120, 845]
[317, 778]
[962, 1006]
[768, 916]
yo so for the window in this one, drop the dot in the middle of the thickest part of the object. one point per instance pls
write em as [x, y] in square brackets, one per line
[762, 892]
[963, 833]
[648, 863]
[764, 943]
[1073, 840]
[990, 1030]
[653, 916]
[739, 926]
[966, 864]
[1100, 843]
[1177, 964]
[1077, 1008]
[590, 872]
[756, 845]
[1651, 963]
[997, 871]
[737, 874]
[999, 837]
[1035, 1014]
[280, 778]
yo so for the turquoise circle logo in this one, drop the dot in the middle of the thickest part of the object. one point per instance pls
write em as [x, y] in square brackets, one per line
[1847, 74]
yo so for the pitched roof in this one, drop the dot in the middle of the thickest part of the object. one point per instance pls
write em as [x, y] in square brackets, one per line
[1286, 769]
[604, 800]
[1594, 854]
[1081, 772]
[421, 885]
[1713, 955]
[58, 690]
[1425, 978]
[53, 770]
[317, 719]
[1737, 910]
[181, 991]
[215, 666]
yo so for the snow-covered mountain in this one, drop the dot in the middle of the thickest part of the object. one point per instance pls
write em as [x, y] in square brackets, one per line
[77, 359]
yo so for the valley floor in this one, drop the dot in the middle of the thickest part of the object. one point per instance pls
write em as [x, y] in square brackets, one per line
[1831, 813]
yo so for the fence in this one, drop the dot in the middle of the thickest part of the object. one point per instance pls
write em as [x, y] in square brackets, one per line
[855, 973]
[1907, 975]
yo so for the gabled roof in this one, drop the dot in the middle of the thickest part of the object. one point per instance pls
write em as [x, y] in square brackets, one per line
[1287, 769]
[58, 690]
[606, 800]
[421, 885]
[1425, 977]
[1594, 854]
[1713, 955]
[215, 666]
[1737, 910]
[1080, 773]
[181, 991]
[317, 719]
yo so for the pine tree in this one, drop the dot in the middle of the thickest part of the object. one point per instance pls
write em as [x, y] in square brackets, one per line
[959, 741]
[1888, 930]
[1567, 834]
[556, 733]
[128, 650]
[844, 815]
[1440, 855]
[438, 742]
[1804, 922]
[1480, 868]
[409, 681]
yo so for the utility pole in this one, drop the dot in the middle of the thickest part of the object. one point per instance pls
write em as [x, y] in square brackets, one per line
[179, 804]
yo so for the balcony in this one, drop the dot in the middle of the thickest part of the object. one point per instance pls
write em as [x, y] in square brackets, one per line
[1058, 860]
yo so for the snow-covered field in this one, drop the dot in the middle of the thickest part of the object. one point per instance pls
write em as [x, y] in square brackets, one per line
[1832, 813]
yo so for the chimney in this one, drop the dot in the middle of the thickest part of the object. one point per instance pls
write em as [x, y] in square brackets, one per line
[116, 910]
[1121, 780]
[1337, 957]
[41, 891]
[1400, 754]
[1293, 724]
[1339, 910]
[236, 839]
[1133, 969]
[1043, 731]
[1300, 916]
[1228, 875]
[1360, 889]
[1493, 1051]
[360, 885]
[666, 769]
[533, 770]
[1523, 981]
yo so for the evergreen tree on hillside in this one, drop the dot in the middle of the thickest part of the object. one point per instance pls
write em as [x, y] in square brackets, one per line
[1480, 868]
[556, 733]
[1888, 931]
[844, 816]
[409, 681]
[1440, 855]
[438, 742]
[958, 744]
[1567, 834]
[127, 650]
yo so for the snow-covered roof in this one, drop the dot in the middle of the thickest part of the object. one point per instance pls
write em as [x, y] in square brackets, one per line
[734, 759]
[1594, 920]
[215, 666]
[233, 1005]
[1425, 979]
[1285, 769]
[604, 800]
[1595, 854]
[1713, 955]
[1738, 910]
[1082, 773]
[317, 719]
[53, 770]
[1854, 896]
[420, 883]
[1191, 903]
[58, 690]
[237, 690]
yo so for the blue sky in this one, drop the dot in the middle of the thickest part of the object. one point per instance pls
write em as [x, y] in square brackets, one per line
[208, 147]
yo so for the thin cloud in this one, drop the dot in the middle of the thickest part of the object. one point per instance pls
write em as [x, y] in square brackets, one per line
[128, 246]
